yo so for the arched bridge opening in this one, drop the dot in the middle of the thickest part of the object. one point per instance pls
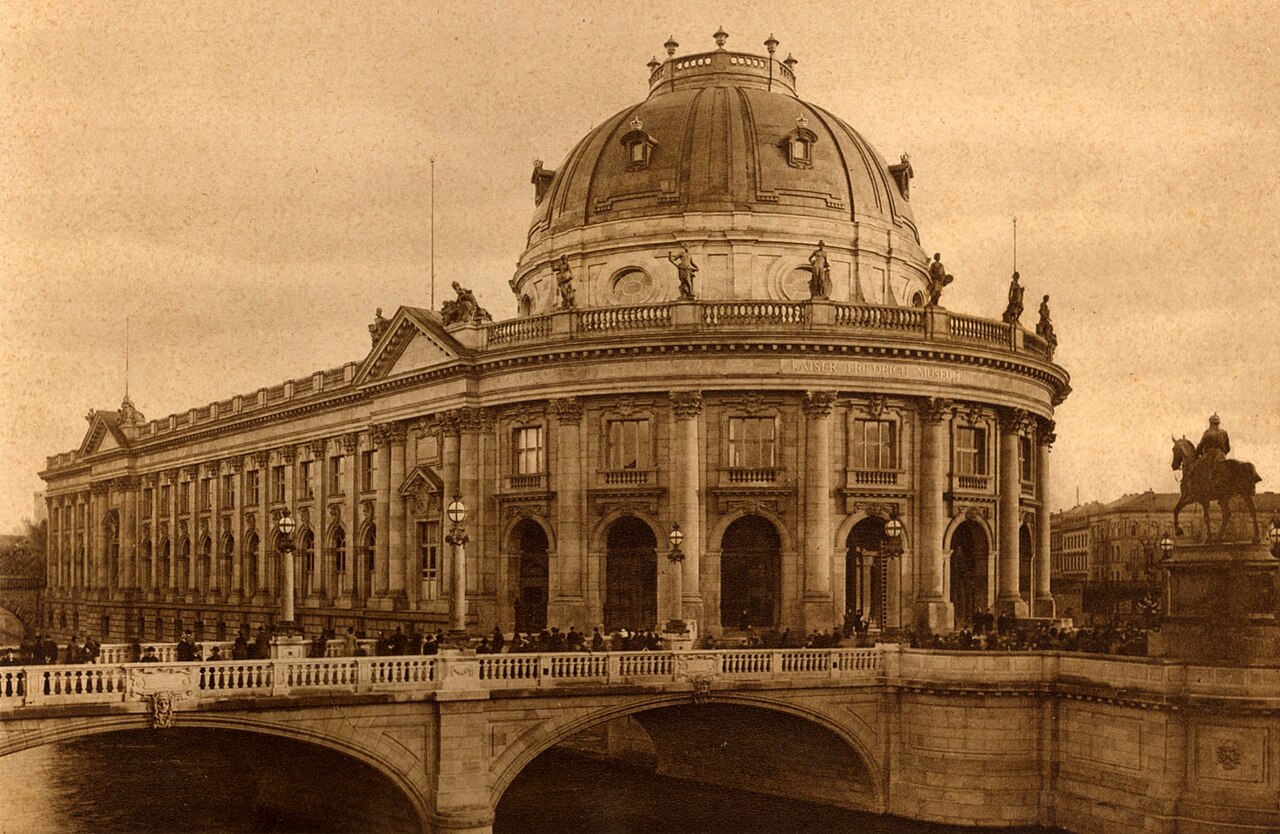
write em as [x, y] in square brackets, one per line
[198, 779]
[731, 762]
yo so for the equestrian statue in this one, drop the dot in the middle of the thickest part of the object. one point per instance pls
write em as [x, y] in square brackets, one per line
[1207, 476]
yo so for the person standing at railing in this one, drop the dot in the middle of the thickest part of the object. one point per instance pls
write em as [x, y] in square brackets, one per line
[149, 655]
[349, 643]
[262, 645]
[597, 641]
[499, 640]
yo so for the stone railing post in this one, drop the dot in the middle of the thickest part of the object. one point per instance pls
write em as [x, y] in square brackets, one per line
[937, 323]
[775, 663]
[364, 674]
[613, 668]
[457, 672]
[279, 677]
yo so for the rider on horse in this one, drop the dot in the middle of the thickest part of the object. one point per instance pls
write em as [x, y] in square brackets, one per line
[1213, 446]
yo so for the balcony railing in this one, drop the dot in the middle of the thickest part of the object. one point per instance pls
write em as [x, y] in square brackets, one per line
[755, 475]
[522, 482]
[973, 483]
[626, 477]
[875, 477]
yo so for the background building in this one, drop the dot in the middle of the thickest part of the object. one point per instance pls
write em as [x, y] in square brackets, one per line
[1106, 557]
[723, 327]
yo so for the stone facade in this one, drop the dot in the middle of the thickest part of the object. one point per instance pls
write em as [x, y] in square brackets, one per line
[780, 431]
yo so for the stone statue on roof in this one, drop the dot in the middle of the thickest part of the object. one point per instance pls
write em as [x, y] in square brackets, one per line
[685, 269]
[564, 282]
[1044, 328]
[464, 309]
[378, 327]
[1013, 312]
[938, 279]
[820, 273]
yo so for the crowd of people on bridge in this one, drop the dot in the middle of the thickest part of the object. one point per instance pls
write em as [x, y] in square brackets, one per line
[40, 649]
[1038, 636]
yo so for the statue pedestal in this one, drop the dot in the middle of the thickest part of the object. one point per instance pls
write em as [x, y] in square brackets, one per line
[1220, 606]
[288, 647]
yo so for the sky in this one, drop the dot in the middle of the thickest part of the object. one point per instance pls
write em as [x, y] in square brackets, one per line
[245, 183]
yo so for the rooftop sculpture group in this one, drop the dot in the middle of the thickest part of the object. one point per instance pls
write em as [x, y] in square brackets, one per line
[464, 309]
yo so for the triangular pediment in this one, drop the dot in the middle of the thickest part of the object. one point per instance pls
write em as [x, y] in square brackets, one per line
[414, 342]
[104, 433]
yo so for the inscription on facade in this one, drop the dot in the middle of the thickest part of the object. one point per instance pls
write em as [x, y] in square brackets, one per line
[880, 370]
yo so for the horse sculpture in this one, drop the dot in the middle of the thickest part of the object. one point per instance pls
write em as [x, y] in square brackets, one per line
[1220, 482]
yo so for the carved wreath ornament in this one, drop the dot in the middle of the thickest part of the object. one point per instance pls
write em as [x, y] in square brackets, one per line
[1229, 755]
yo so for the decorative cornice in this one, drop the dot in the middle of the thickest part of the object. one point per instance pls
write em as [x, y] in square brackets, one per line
[474, 419]
[818, 404]
[934, 409]
[568, 410]
[686, 405]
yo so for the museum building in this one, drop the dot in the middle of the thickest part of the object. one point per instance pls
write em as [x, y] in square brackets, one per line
[726, 398]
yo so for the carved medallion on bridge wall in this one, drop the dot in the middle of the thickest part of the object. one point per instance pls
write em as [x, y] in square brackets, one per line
[162, 689]
[699, 670]
[1231, 754]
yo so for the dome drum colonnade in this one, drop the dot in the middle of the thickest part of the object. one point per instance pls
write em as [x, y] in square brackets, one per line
[943, 384]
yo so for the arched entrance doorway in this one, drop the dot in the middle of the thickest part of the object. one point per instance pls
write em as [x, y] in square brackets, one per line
[529, 543]
[864, 579]
[750, 574]
[969, 587]
[630, 575]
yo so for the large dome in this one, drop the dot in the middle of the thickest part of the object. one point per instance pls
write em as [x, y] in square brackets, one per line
[721, 148]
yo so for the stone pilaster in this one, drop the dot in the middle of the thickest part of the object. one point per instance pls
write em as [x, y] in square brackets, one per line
[397, 433]
[233, 466]
[449, 424]
[472, 422]
[98, 492]
[382, 509]
[818, 602]
[1042, 595]
[932, 606]
[318, 587]
[266, 535]
[128, 488]
[351, 518]
[686, 409]
[568, 571]
[1008, 596]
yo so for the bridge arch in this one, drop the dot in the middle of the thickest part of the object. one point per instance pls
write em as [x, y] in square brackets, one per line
[392, 761]
[832, 718]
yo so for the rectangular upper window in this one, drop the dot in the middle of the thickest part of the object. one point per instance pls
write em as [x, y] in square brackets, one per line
[277, 484]
[1026, 458]
[306, 474]
[971, 450]
[206, 493]
[184, 496]
[428, 548]
[252, 486]
[228, 491]
[751, 442]
[366, 471]
[629, 445]
[875, 444]
[166, 498]
[526, 446]
[336, 471]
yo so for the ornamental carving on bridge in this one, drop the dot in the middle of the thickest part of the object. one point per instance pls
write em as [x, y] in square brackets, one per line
[161, 689]
[1229, 755]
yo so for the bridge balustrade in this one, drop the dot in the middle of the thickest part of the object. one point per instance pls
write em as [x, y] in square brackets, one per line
[214, 680]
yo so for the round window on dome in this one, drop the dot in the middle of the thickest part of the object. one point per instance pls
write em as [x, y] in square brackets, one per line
[633, 286]
[795, 284]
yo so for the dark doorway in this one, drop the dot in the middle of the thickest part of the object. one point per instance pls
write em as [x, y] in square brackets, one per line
[630, 576]
[1024, 563]
[969, 554]
[750, 574]
[864, 586]
[530, 543]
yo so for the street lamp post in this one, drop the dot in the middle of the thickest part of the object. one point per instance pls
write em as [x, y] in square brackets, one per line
[893, 530]
[285, 525]
[457, 538]
[676, 556]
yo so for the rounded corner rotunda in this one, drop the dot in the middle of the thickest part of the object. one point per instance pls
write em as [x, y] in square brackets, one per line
[731, 402]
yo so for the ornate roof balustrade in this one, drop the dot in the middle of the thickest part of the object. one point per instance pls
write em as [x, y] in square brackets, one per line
[779, 320]
[933, 324]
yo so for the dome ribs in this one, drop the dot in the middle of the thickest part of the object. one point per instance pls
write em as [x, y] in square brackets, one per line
[821, 116]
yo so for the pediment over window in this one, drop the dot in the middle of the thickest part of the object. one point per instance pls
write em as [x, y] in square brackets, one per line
[414, 341]
[422, 489]
[798, 145]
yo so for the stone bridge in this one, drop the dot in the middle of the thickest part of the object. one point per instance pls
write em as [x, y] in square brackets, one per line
[1082, 742]
[20, 597]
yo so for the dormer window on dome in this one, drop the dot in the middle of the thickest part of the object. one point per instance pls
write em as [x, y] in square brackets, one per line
[799, 145]
[639, 146]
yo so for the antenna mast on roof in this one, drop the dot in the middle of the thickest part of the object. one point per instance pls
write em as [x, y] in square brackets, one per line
[433, 231]
[126, 357]
[1015, 244]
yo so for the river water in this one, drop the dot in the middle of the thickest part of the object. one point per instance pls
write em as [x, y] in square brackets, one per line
[206, 781]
